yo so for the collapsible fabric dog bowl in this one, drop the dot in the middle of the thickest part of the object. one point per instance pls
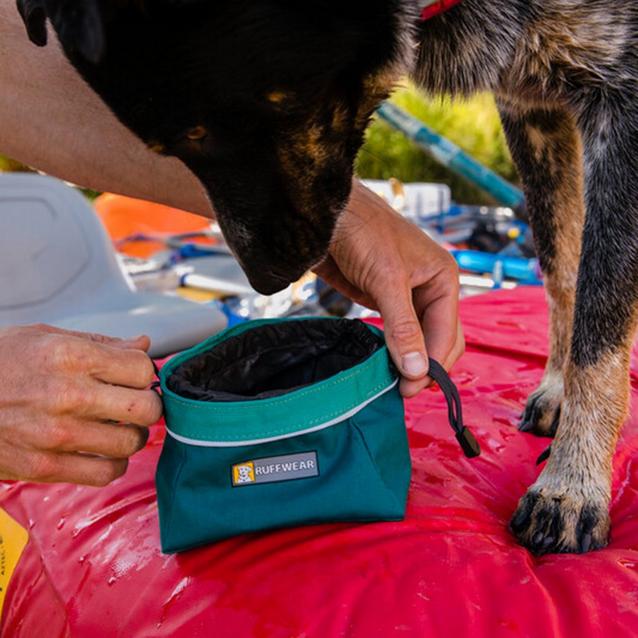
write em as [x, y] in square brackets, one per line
[277, 423]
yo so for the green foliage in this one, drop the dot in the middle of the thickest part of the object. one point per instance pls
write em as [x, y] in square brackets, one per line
[8, 165]
[473, 125]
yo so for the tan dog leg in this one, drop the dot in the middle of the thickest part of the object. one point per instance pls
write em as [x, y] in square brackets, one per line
[566, 510]
[546, 146]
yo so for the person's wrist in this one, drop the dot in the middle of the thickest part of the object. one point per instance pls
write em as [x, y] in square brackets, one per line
[363, 208]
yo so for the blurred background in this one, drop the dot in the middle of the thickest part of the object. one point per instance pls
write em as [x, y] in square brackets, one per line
[474, 125]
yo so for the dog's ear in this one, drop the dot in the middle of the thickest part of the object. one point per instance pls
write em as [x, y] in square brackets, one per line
[34, 16]
[79, 26]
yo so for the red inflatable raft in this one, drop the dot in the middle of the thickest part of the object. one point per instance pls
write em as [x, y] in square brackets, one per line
[92, 566]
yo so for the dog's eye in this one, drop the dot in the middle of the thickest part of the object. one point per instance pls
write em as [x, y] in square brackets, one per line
[197, 133]
[276, 97]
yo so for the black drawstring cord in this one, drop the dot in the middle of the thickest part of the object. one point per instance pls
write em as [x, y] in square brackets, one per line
[466, 439]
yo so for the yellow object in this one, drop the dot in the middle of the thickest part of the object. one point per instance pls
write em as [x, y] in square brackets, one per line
[244, 473]
[195, 294]
[13, 540]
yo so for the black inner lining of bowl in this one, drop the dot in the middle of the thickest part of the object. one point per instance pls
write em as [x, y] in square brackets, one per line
[274, 359]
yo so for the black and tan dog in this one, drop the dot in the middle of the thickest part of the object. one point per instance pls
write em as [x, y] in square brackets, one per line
[267, 102]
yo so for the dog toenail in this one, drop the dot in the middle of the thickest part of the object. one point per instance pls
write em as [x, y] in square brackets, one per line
[585, 543]
[517, 522]
[544, 455]
[525, 426]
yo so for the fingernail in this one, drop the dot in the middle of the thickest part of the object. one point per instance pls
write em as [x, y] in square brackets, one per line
[414, 364]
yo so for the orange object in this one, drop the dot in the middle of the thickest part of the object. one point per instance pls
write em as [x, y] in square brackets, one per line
[126, 217]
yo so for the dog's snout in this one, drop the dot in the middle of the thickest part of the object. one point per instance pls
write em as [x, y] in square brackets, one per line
[269, 274]
[282, 226]
[267, 282]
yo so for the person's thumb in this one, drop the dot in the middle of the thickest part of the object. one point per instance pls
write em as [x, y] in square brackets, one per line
[403, 333]
[141, 342]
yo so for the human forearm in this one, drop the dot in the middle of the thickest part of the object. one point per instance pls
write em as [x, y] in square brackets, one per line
[51, 120]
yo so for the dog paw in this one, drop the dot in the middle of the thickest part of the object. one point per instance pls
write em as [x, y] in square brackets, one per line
[548, 523]
[542, 412]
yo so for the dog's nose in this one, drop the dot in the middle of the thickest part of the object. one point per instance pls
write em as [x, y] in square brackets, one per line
[268, 281]
[267, 284]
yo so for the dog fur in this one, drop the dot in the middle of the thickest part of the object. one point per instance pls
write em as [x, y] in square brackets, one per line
[276, 152]
[565, 74]
[267, 102]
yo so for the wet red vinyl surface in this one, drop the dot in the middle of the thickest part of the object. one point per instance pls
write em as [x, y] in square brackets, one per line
[93, 567]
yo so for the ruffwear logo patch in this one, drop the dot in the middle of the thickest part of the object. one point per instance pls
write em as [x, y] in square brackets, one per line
[243, 473]
[275, 468]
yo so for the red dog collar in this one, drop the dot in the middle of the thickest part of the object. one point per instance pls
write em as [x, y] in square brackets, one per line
[436, 7]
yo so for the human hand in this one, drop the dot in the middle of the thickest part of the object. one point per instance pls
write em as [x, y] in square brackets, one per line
[73, 406]
[382, 261]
